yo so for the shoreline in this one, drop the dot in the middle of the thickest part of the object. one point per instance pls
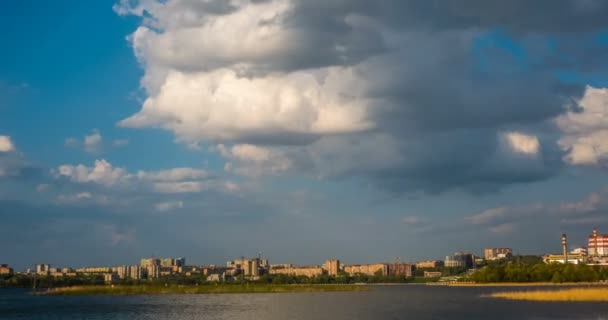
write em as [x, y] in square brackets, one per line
[201, 289]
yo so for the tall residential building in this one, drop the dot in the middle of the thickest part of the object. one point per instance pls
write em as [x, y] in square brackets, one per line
[264, 263]
[153, 271]
[128, 272]
[167, 262]
[43, 268]
[146, 262]
[298, 271]
[122, 271]
[135, 272]
[248, 267]
[497, 253]
[400, 269]
[368, 269]
[332, 267]
[459, 259]
[180, 262]
[597, 244]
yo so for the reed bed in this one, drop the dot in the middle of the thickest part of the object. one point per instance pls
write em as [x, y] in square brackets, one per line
[561, 295]
[521, 284]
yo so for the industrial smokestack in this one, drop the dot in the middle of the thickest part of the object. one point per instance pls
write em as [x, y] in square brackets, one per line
[565, 247]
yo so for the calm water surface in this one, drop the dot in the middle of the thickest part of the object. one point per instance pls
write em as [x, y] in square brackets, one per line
[383, 302]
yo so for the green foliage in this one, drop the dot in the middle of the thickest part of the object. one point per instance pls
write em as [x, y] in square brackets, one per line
[553, 272]
[27, 281]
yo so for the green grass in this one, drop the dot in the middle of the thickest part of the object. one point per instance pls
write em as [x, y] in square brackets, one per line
[202, 289]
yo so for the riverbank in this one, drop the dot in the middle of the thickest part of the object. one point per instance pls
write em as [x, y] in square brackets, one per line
[201, 289]
[560, 295]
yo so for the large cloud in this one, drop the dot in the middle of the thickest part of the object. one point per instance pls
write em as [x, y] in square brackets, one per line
[415, 94]
[579, 215]
[586, 129]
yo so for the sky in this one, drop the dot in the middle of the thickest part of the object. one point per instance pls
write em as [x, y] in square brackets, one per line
[303, 130]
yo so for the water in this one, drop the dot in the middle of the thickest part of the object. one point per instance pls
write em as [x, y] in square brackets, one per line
[383, 302]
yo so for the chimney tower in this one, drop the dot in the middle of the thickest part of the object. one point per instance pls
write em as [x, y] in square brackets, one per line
[565, 247]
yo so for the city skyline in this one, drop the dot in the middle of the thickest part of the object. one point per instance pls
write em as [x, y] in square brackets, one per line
[304, 129]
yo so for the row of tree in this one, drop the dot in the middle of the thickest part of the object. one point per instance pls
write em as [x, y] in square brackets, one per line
[553, 272]
[28, 281]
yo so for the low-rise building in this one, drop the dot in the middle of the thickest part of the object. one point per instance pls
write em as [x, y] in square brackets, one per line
[368, 269]
[559, 258]
[5, 269]
[110, 278]
[497, 253]
[217, 277]
[429, 264]
[432, 274]
[94, 270]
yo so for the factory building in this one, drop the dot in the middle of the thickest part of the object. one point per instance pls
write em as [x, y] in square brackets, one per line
[559, 258]
[598, 244]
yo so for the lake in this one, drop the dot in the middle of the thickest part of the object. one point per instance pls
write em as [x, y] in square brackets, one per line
[382, 302]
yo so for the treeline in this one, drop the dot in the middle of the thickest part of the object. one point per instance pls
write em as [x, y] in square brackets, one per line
[342, 278]
[26, 281]
[553, 272]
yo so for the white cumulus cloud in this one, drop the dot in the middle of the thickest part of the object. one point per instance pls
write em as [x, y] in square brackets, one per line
[522, 143]
[6, 144]
[174, 180]
[585, 130]
[101, 173]
[93, 142]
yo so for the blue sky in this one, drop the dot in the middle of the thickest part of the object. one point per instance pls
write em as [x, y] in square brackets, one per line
[216, 129]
